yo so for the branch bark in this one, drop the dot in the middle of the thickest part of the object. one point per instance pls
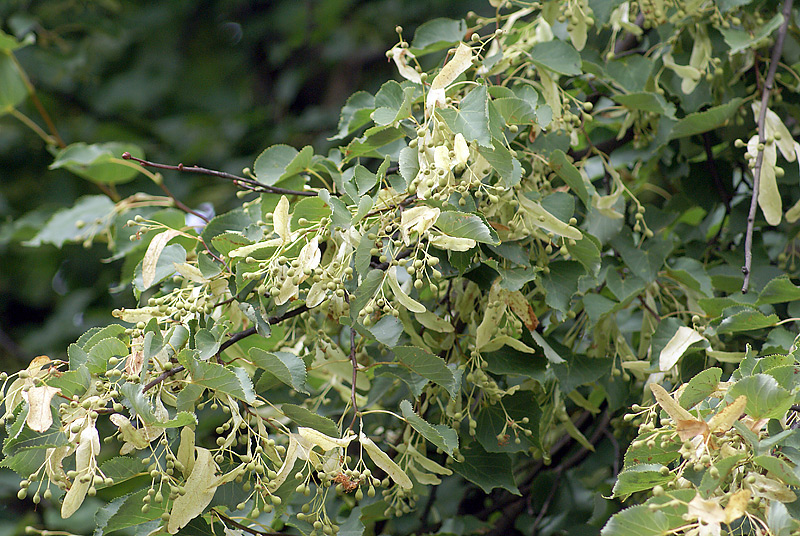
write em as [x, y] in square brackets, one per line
[236, 337]
[777, 50]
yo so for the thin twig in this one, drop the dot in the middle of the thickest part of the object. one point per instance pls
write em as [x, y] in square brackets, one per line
[777, 50]
[225, 519]
[354, 362]
[180, 204]
[649, 309]
[245, 182]
[236, 337]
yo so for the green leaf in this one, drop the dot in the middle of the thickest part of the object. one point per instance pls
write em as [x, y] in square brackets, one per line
[508, 360]
[711, 119]
[646, 260]
[463, 225]
[414, 381]
[746, 320]
[724, 467]
[640, 521]
[165, 266]
[557, 56]
[561, 283]
[219, 378]
[30, 439]
[636, 455]
[340, 215]
[122, 468]
[515, 111]
[366, 291]
[428, 366]
[440, 435]
[280, 162]
[471, 119]
[639, 478]
[102, 352]
[312, 209]
[578, 369]
[13, 90]
[765, 398]
[355, 114]
[99, 162]
[90, 216]
[140, 404]
[493, 432]
[376, 142]
[73, 382]
[352, 526]
[392, 103]
[700, 387]
[499, 157]
[487, 470]
[631, 72]
[778, 468]
[304, 417]
[570, 175]
[647, 102]
[112, 330]
[26, 462]
[124, 512]
[739, 40]
[285, 366]
[437, 34]
[9, 43]
[779, 290]
[387, 330]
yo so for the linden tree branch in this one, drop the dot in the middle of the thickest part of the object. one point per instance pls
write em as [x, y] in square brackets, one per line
[777, 50]
[248, 183]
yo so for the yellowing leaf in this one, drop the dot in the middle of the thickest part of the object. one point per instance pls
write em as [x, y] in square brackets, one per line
[687, 429]
[280, 219]
[401, 56]
[326, 442]
[40, 418]
[461, 61]
[151, 256]
[668, 404]
[737, 505]
[522, 308]
[405, 300]
[452, 243]
[292, 453]
[769, 198]
[537, 216]
[383, 461]
[417, 220]
[722, 421]
[185, 453]
[677, 346]
[427, 463]
[461, 150]
[200, 489]
[431, 321]
[132, 437]
[88, 448]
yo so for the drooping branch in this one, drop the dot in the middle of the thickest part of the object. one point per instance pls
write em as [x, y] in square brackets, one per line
[244, 182]
[777, 50]
[236, 337]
